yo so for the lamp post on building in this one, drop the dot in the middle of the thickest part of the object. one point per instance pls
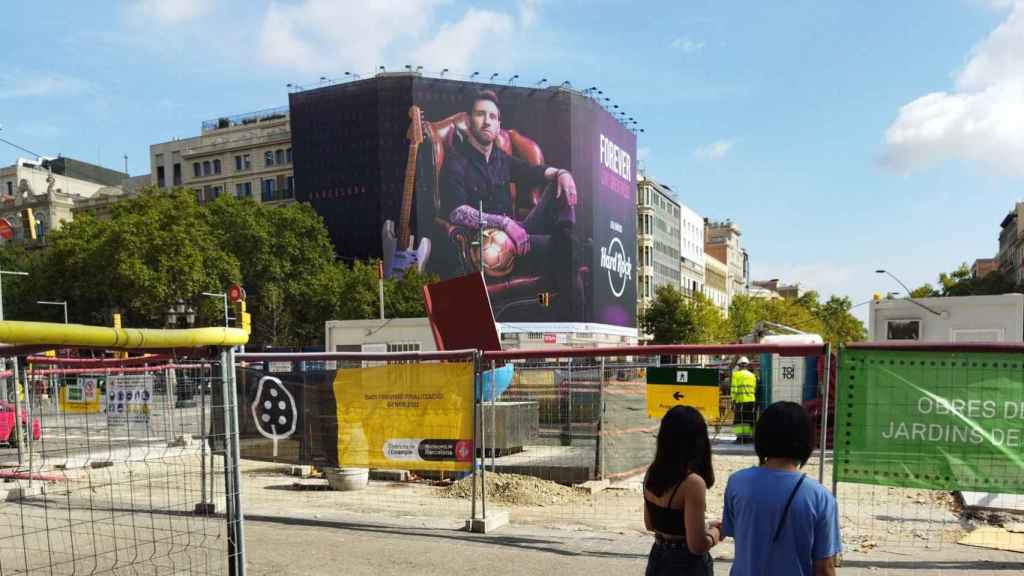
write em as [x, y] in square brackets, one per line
[910, 295]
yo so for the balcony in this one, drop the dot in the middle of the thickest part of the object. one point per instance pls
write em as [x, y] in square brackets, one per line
[277, 195]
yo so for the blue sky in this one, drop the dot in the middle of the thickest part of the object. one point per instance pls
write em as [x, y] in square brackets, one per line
[841, 136]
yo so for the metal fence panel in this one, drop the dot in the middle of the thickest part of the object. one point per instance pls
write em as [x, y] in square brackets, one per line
[117, 475]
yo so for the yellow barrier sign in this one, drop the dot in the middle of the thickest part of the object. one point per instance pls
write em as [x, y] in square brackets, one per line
[406, 416]
[697, 387]
[81, 396]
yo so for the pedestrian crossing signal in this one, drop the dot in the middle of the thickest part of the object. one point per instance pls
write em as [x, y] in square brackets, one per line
[544, 299]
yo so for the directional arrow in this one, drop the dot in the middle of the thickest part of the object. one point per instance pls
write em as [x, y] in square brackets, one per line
[678, 395]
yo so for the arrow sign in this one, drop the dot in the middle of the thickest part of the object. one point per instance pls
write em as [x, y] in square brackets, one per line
[678, 396]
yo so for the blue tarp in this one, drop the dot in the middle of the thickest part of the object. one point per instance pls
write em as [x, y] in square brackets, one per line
[495, 382]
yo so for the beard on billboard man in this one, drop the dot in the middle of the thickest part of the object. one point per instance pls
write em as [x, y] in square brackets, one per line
[478, 172]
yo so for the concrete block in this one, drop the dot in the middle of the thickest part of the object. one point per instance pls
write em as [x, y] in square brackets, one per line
[301, 471]
[495, 519]
[24, 490]
[390, 475]
[182, 441]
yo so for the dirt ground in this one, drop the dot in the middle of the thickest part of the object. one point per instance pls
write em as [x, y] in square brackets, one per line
[885, 530]
[109, 519]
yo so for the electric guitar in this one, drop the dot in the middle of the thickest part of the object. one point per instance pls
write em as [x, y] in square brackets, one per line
[399, 259]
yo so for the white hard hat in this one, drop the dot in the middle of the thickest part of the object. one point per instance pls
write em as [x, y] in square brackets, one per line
[743, 360]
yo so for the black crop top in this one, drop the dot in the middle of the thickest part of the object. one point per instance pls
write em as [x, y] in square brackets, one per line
[666, 520]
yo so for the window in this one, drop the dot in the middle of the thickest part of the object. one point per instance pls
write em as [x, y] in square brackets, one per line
[206, 168]
[534, 335]
[289, 186]
[10, 188]
[268, 158]
[243, 190]
[177, 174]
[215, 191]
[288, 155]
[160, 183]
[196, 170]
[404, 347]
[267, 193]
[238, 163]
[903, 330]
[216, 166]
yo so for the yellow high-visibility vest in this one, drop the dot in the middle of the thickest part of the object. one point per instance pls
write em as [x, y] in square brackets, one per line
[744, 386]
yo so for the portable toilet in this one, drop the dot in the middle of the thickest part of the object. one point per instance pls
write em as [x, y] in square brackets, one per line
[792, 378]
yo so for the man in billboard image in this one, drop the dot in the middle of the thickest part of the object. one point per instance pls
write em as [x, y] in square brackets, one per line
[478, 173]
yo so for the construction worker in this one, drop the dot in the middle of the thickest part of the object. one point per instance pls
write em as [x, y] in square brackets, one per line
[744, 401]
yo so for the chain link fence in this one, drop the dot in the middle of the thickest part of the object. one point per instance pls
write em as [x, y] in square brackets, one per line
[112, 464]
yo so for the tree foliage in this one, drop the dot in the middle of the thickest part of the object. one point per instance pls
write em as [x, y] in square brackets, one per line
[960, 282]
[161, 247]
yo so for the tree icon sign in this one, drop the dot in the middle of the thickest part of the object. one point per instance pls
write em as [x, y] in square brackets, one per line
[274, 410]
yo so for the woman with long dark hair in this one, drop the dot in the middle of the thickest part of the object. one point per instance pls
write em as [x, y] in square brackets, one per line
[675, 497]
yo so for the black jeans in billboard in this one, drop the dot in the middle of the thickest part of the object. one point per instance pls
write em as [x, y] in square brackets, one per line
[551, 226]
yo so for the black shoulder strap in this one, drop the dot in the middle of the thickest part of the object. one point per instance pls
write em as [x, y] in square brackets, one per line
[785, 511]
[668, 503]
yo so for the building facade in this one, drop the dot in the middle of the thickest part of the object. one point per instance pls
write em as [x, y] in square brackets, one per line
[1011, 244]
[691, 251]
[722, 240]
[51, 188]
[247, 156]
[659, 239]
[984, 266]
[716, 283]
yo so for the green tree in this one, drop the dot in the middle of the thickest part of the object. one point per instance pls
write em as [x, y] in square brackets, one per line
[924, 291]
[665, 319]
[673, 318]
[838, 325]
[155, 249]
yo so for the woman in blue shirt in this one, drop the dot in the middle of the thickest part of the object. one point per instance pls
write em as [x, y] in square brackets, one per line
[783, 522]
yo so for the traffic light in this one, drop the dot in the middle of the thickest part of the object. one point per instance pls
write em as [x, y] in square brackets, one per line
[28, 222]
[544, 299]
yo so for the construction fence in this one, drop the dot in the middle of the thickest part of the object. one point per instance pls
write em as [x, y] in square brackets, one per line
[562, 438]
[113, 462]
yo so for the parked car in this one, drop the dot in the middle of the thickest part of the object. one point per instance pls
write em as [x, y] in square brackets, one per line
[7, 433]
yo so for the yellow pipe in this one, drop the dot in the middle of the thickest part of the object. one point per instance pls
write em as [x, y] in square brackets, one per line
[14, 332]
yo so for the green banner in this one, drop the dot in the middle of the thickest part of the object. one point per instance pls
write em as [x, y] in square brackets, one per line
[933, 420]
[684, 376]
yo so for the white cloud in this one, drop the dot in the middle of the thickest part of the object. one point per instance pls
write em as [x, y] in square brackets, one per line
[687, 45]
[172, 11]
[36, 85]
[982, 120]
[714, 151]
[316, 37]
[456, 45]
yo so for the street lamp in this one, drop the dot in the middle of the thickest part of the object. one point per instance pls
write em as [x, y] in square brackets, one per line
[908, 291]
[179, 313]
[61, 303]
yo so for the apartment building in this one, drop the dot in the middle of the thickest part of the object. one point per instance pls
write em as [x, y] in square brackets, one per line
[248, 156]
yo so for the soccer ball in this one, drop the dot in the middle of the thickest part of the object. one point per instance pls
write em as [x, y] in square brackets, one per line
[499, 253]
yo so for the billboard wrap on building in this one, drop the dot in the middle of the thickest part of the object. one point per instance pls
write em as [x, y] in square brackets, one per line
[422, 172]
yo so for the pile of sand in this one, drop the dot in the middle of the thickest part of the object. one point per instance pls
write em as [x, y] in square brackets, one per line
[516, 489]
